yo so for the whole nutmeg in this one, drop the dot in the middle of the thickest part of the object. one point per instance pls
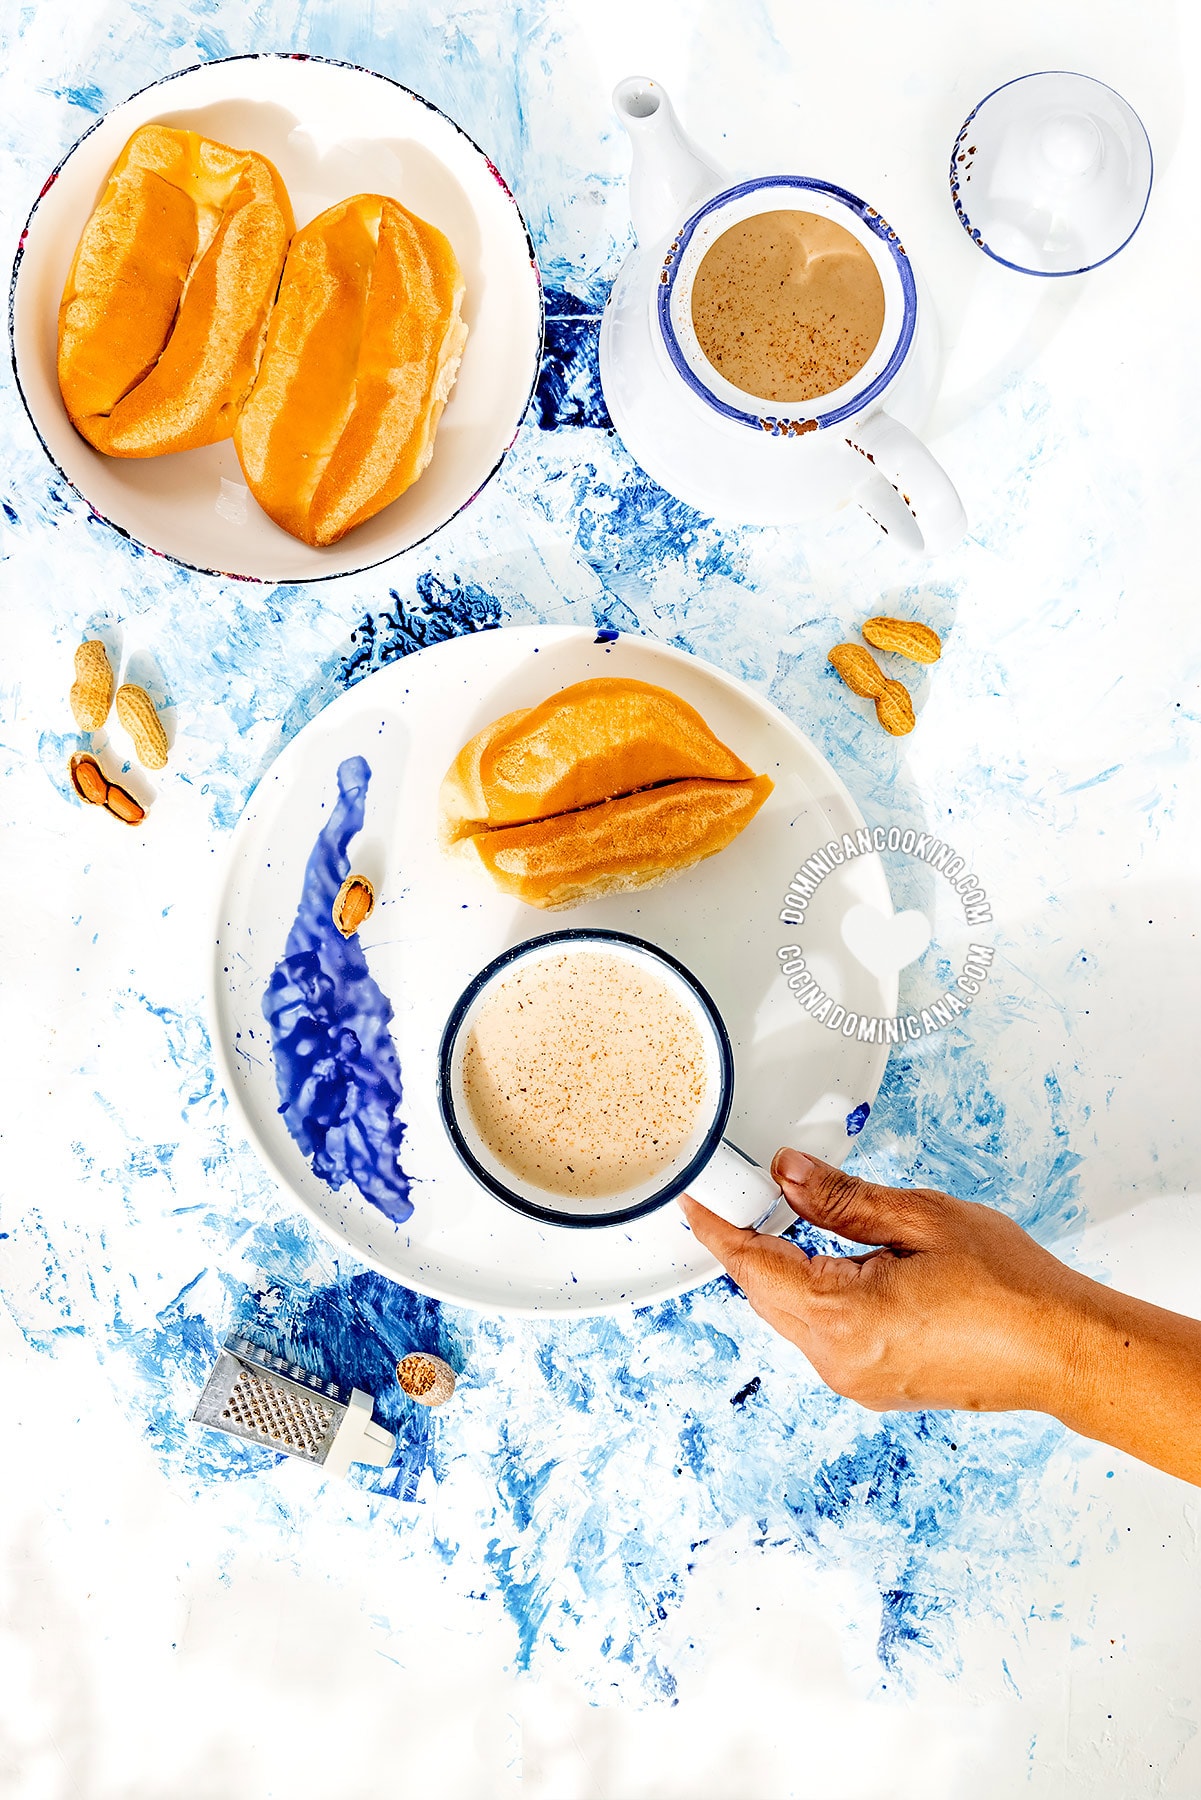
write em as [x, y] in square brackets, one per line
[425, 1378]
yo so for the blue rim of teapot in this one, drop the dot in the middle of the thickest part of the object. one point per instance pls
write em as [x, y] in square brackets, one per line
[873, 222]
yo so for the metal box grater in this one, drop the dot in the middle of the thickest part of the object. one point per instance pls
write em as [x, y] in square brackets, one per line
[266, 1400]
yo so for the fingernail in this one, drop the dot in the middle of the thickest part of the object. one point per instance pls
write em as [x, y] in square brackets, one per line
[792, 1165]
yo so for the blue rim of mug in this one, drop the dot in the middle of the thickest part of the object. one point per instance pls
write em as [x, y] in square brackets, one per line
[547, 1215]
[872, 220]
[974, 231]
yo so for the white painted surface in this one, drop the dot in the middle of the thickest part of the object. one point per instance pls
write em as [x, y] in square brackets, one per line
[248, 1638]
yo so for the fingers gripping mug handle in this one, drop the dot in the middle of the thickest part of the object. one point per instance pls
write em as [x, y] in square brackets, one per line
[735, 1188]
[923, 510]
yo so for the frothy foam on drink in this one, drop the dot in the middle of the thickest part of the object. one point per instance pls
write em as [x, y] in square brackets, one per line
[787, 305]
[585, 1074]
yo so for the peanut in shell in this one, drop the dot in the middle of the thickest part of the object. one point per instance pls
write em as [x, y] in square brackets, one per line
[905, 637]
[136, 711]
[354, 903]
[859, 669]
[89, 780]
[92, 689]
[95, 789]
[864, 676]
[894, 709]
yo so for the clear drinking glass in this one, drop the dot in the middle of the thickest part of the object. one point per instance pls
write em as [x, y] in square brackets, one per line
[1051, 173]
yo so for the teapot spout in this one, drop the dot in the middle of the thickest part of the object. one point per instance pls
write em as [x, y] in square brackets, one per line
[669, 176]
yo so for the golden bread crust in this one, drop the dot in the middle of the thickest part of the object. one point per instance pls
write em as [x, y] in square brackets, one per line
[362, 350]
[607, 786]
[589, 742]
[164, 312]
[636, 841]
[462, 801]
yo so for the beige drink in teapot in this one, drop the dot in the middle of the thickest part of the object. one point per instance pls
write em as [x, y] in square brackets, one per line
[767, 353]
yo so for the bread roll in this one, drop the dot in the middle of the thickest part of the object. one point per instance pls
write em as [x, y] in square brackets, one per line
[587, 743]
[607, 786]
[635, 841]
[165, 310]
[362, 351]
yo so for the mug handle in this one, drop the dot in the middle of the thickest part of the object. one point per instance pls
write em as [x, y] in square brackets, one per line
[908, 493]
[735, 1187]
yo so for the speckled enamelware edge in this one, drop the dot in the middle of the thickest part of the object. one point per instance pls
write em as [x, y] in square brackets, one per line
[177, 74]
[869, 217]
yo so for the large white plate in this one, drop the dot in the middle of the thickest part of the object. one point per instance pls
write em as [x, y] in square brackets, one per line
[332, 130]
[436, 923]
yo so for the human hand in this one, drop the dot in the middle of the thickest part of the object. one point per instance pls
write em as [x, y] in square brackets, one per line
[960, 1309]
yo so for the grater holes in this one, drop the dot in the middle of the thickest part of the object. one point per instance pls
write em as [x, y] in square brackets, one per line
[275, 1414]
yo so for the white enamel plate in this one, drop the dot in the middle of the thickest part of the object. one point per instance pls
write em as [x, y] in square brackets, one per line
[437, 923]
[332, 130]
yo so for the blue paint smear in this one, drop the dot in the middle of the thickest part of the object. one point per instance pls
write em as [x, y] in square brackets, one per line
[85, 94]
[1081, 787]
[630, 531]
[857, 1119]
[336, 1067]
[569, 389]
[443, 610]
[354, 1331]
[584, 1462]
[908, 1621]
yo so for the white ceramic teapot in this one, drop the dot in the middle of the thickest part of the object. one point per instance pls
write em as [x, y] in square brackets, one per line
[713, 444]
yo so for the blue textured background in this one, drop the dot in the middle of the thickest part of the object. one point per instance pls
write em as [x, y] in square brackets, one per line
[583, 1466]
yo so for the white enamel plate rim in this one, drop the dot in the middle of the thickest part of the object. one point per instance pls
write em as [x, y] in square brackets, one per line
[437, 922]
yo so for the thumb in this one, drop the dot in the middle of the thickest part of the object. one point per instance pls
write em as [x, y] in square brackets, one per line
[761, 1264]
[860, 1210]
[728, 1243]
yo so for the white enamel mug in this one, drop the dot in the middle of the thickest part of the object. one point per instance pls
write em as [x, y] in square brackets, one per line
[913, 498]
[709, 1167]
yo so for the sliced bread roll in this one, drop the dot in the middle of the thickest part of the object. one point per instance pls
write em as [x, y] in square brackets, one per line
[164, 313]
[635, 841]
[607, 786]
[586, 743]
[362, 351]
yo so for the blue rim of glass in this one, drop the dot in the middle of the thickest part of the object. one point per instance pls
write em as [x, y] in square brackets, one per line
[869, 217]
[547, 1215]
[974, 231]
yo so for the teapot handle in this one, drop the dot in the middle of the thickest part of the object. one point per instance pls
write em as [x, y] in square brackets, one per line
[907, 492]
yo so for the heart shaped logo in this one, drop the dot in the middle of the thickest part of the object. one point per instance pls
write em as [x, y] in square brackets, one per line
[885, 943]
